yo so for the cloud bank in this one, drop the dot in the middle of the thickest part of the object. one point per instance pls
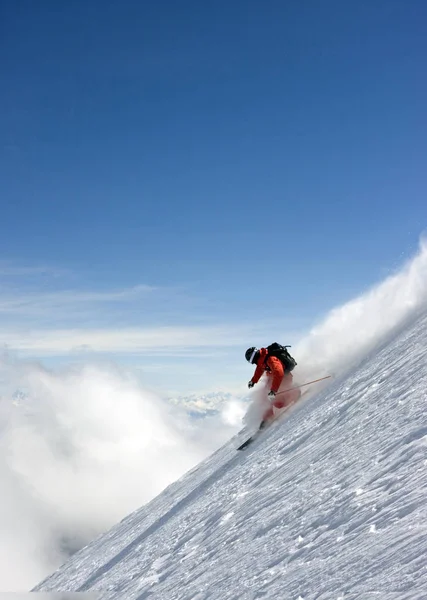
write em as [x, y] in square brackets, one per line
[80, 449]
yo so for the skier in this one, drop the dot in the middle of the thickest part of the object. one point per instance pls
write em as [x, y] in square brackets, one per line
[279, 371]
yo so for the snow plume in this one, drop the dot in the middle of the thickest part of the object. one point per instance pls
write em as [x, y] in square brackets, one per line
[351, 332]
[79, 450]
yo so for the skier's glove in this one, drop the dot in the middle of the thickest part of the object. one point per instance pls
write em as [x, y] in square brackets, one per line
[251, 384]
[271, 395]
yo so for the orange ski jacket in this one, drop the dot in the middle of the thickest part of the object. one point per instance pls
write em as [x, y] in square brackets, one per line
[272, 366]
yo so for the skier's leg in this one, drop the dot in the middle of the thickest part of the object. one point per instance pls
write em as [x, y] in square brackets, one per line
[285, 399]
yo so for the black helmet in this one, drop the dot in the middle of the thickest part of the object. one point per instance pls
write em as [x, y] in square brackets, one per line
[250, 354]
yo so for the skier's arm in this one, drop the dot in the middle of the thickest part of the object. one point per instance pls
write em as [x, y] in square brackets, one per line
[258, 372]
[277, 372]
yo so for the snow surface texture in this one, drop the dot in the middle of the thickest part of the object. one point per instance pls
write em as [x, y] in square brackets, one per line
[330, 503]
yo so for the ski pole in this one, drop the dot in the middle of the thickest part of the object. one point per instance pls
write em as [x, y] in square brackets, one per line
[302, 385]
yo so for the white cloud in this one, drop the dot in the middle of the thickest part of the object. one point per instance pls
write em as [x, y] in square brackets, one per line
[38, 322]
[38, 304]
[158, 340]
[11, 269]
[78, 452]
[59, 322]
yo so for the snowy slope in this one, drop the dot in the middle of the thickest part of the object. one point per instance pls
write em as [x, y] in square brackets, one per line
[331, 503]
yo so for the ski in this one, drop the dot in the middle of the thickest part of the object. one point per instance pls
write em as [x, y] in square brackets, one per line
[263, 425]
[247, 442]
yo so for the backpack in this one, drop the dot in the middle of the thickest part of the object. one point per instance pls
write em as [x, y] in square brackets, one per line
[280, 352]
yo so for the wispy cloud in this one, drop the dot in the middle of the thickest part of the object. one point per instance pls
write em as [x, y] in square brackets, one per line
[134, 320]
[171, 338]
[40, 297]
[39, 304]
[11, 269]
[137, 340]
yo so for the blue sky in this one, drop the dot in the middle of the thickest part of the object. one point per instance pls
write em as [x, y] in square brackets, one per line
[182, 180]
